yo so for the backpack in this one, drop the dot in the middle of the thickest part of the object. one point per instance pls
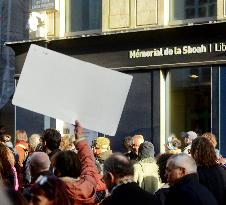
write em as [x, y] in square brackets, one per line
[24, 148]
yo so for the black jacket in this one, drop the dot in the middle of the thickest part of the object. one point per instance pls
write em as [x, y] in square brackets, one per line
[53, 153]
[214, 178]
[129, 194]
[188, 191]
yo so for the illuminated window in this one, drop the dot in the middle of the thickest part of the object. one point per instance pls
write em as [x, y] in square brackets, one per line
[189, 9]
[83, 15]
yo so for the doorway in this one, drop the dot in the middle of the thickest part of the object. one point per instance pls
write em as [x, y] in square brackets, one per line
[188, 100]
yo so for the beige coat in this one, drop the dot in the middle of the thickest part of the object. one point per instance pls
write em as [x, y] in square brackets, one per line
[146, 174]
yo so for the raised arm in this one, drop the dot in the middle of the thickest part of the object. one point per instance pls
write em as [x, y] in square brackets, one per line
[89, 170]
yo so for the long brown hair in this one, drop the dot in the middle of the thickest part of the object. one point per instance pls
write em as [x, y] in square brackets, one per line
[211, 137]
[52, 188]
[203, 152]
[6, 172]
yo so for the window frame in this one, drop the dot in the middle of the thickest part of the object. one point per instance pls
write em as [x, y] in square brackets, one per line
[82, 32]
[190, 21]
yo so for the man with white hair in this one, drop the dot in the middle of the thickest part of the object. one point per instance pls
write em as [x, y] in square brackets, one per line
[188, 138]
[181, 171]
[136, 142]
[34, 141]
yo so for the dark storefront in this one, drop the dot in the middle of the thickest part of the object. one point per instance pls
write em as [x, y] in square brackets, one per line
[188, 63]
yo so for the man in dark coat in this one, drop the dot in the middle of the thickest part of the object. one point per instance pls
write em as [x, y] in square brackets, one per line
[185, 188]
[39, 164]
[118, 176]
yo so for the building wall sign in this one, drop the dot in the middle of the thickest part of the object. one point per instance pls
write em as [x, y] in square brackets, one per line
[42, 5]
[141, 56]
[172, 56]
[177, 50]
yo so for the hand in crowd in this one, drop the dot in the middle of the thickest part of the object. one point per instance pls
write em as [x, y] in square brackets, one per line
[78, 130]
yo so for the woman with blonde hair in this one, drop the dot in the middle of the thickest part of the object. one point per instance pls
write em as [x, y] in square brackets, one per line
[22, 154]
[21, 146]
[67, 143]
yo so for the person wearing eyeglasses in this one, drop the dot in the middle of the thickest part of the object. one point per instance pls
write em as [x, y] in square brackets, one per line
[181, 171]
[136, 142]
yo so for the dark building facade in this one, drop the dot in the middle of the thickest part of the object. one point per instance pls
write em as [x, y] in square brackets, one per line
[13, 27]
[179, 78]
[174, 49]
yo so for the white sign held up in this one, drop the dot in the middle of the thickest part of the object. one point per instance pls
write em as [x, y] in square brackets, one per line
[66, 88]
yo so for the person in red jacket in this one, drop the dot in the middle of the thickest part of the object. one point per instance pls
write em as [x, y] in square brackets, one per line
[78, 171]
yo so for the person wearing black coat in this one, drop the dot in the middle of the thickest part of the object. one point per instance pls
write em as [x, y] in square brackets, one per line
[118, 176]
[211, 173]
[184, 184]
[214, 178]
[129, 193]
[189, 191]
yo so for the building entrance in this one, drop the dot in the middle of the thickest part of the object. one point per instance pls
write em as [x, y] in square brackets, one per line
[188, 100]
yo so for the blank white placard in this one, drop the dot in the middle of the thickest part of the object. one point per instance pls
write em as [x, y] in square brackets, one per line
[69, 89]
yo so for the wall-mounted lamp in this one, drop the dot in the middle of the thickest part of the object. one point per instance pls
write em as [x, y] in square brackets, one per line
[193, 76]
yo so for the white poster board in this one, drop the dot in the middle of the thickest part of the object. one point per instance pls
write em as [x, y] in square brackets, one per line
[66, 88]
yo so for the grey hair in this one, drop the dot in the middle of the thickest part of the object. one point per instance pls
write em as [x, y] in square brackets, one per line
[184, 161]
[40, 161]
[34, 140]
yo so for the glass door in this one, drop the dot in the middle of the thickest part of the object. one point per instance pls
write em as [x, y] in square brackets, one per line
[188, 100]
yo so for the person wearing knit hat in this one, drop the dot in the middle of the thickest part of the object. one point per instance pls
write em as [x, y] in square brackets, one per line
[146, 169]
[102, 150]
[102, 143]
[146, 150]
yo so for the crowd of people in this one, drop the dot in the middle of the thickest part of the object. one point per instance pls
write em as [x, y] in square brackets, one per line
[51, 169]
